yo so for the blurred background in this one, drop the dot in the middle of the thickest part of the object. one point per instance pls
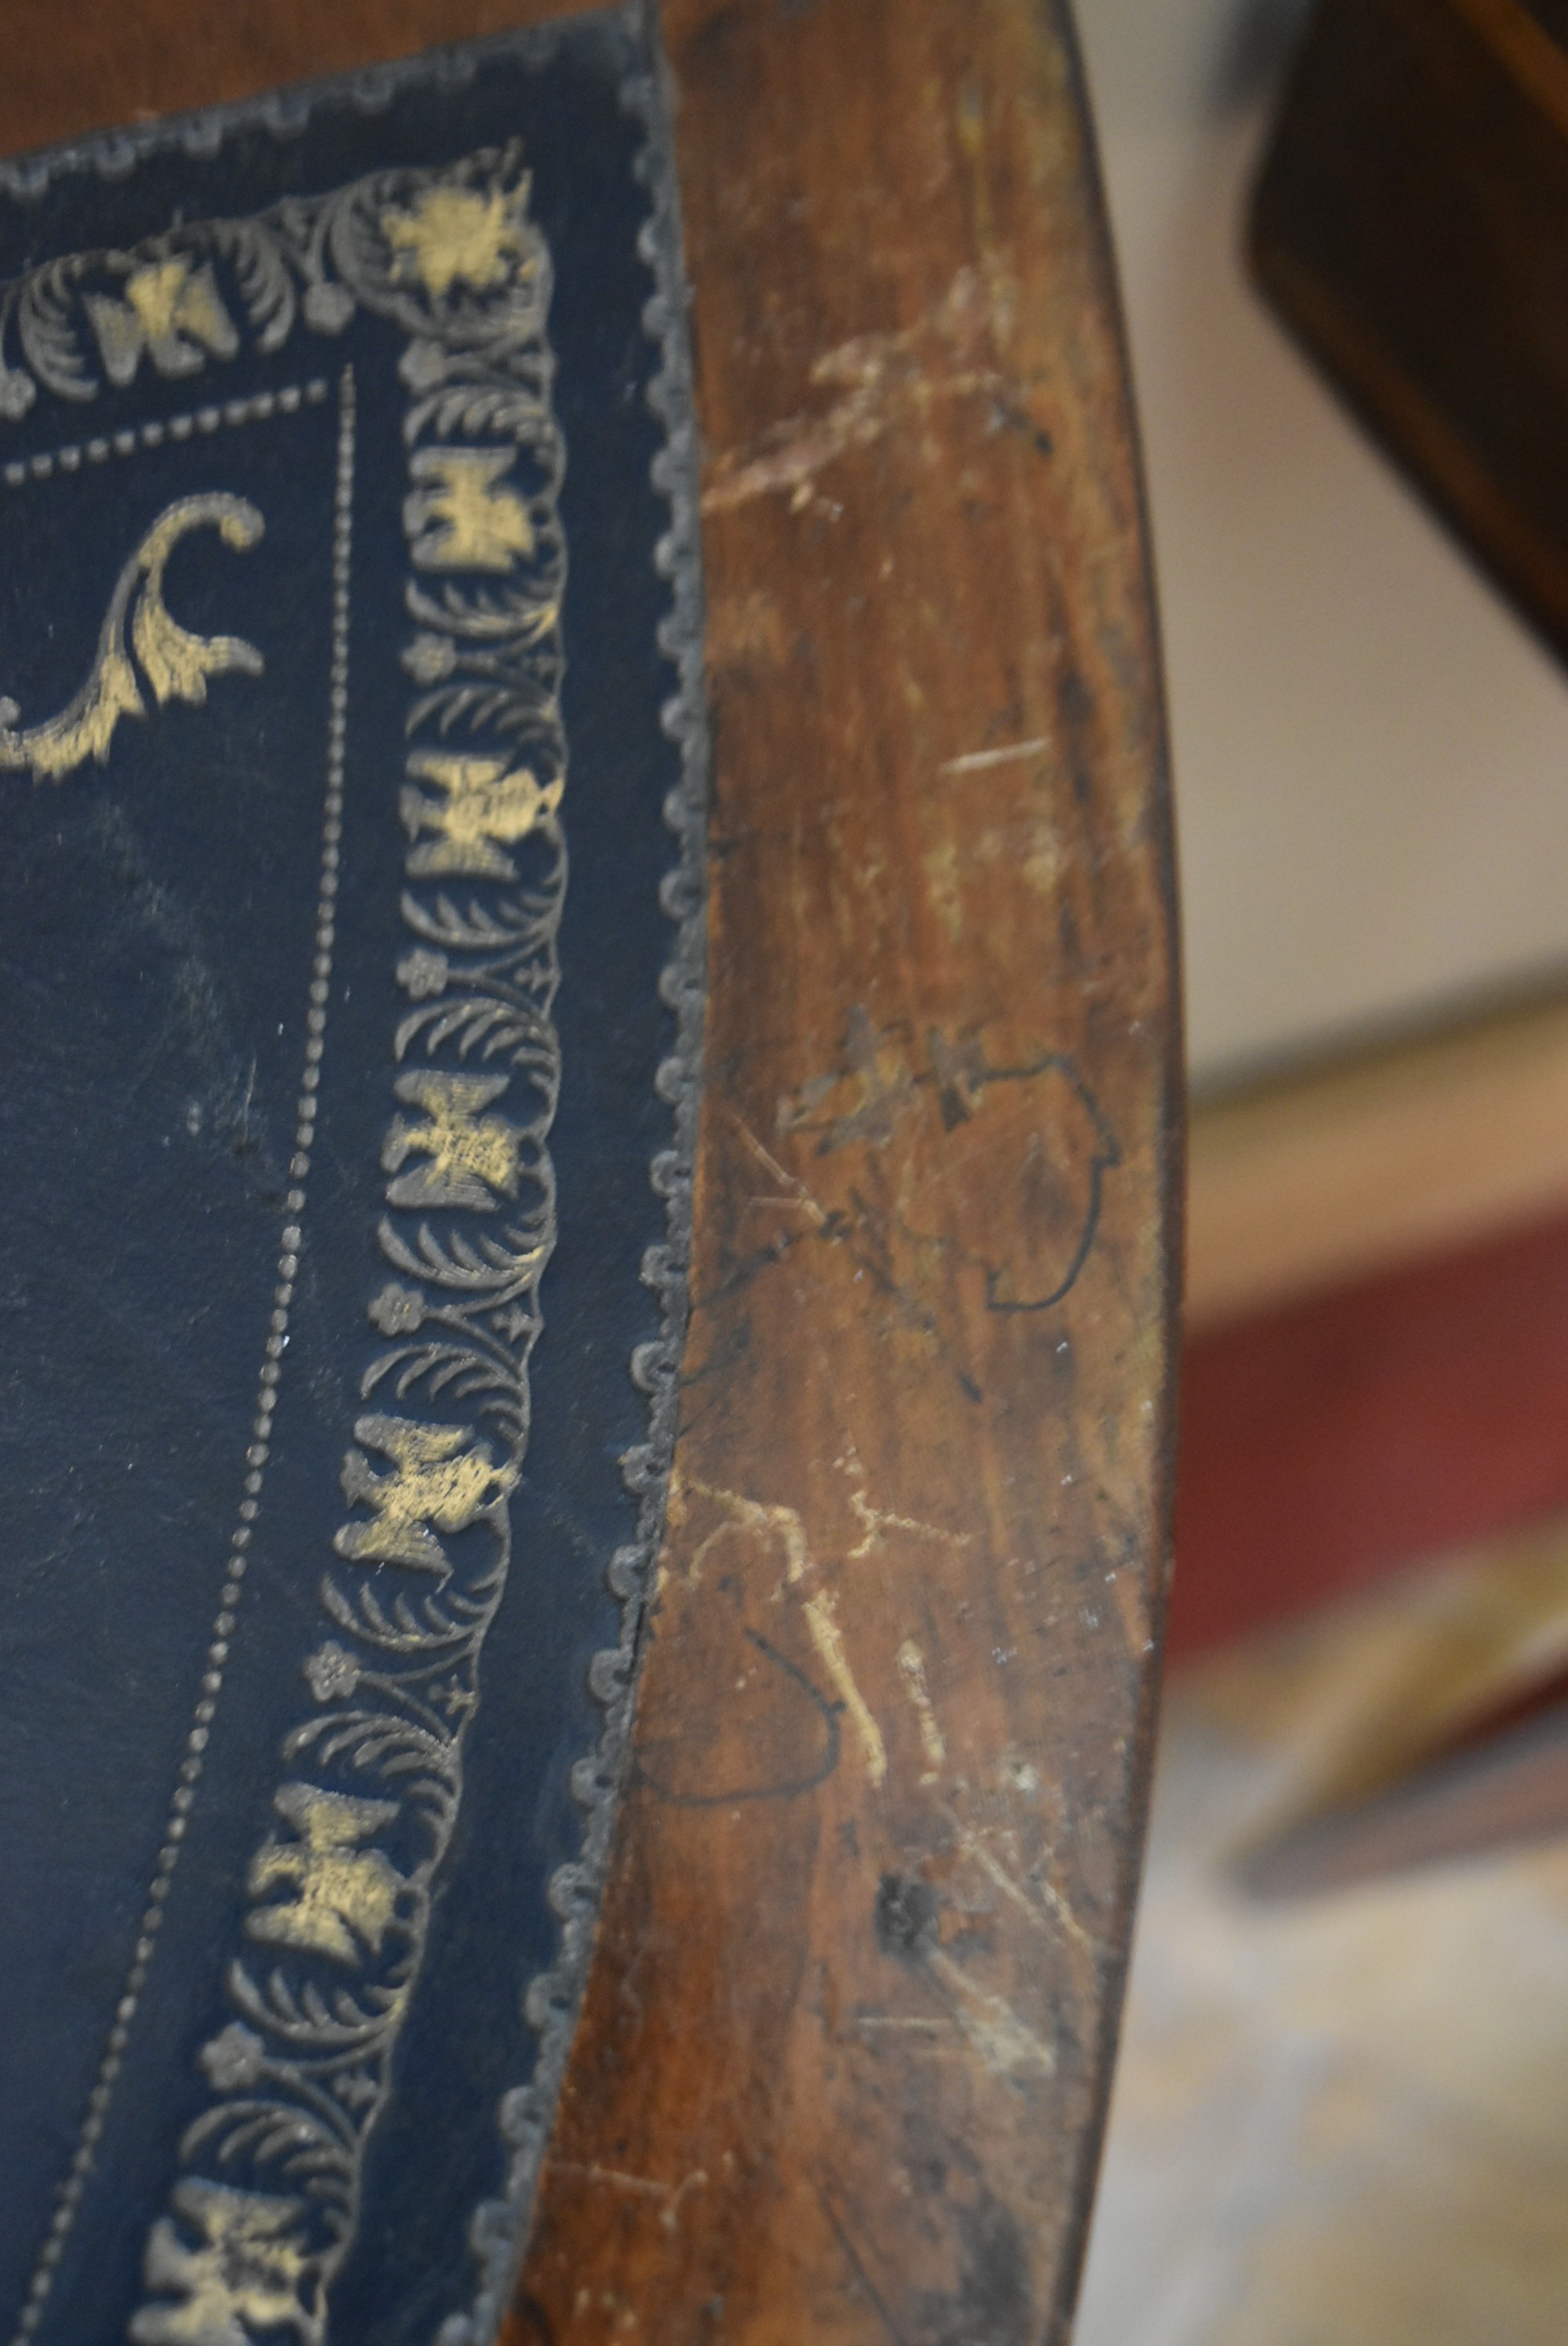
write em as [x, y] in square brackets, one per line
[1370, 748]
[1341, 2115]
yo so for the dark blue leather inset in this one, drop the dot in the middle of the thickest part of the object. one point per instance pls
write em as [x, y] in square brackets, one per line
[330, 945]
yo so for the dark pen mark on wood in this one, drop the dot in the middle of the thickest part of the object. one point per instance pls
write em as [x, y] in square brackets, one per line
[857, 2265]
[1018, 1142]
[646, 1774]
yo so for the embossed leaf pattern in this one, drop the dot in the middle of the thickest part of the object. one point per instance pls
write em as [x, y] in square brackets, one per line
[339, 1885]
[175, 663]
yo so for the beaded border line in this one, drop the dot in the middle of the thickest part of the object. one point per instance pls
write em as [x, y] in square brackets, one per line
[262, 404]
[258, 1449]
[499, 2229]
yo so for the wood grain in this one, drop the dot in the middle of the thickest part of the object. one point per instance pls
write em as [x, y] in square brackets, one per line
[845, 2054]
[95, 65]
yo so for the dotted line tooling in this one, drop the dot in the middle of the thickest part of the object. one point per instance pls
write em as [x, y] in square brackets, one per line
[98, 450]
[258, 1447]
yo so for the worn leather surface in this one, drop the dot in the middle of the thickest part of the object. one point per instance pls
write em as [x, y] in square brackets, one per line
[159, 911]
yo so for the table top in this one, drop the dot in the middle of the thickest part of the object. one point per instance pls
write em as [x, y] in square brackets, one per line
[841, 2067]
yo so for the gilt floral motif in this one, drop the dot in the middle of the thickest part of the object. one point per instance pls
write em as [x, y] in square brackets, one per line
[339, 1889]
[175, 663]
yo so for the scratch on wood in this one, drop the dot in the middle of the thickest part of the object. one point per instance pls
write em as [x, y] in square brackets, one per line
[672, 2194]
[912, 1663]
[879, 374]
[925, 2027]
[980, 761]
[801, 450]
[752, 1516]
[848, 1231]
[879, 1521]
[1133, 1611]
[1008, 2046]
[797, 1190]
[991, 1867]
[829, 1642]
[857, 2266]
[888, 1090]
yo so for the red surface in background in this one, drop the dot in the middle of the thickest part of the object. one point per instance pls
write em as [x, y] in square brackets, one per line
[1337, 1440]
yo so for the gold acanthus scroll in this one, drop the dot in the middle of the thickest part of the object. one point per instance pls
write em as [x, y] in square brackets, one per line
[177, 664]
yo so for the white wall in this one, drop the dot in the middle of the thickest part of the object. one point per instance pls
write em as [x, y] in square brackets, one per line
[1372, 754]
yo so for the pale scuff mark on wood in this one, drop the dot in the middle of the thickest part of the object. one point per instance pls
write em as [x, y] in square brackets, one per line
[795, 1190]
[991, 1866]
[1134, 1616]
[909, 2035]
[828, 1639]
[917, 2023]
[759, 1516]
[769, 1521]
[748, 629]
[879, 374]
[1007, 2045]
[911, 1663]
[879, 1521]
[644, 2185]
[1008, 754]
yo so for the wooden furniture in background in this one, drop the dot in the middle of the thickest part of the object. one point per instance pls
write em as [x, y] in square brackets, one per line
[1380, 1255]
[1347, 1435]
[843, 2066]
[1376, 1367]
[1377, 1159]
[1408, 226]
[1376, 1377]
